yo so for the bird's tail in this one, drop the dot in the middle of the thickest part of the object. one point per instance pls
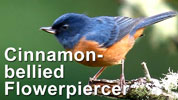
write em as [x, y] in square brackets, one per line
[152, 20]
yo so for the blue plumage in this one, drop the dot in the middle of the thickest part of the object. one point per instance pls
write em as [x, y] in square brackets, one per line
[111, 37]
[105, 30]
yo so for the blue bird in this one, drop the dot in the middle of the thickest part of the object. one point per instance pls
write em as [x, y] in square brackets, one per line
[111, 37]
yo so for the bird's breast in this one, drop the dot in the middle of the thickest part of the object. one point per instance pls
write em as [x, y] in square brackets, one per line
[111, 55]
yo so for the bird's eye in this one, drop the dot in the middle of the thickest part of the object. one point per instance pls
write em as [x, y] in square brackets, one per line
[65, 26]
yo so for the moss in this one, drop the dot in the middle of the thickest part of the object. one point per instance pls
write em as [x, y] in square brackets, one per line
[139, 93]
[160, 97]
[142, 93]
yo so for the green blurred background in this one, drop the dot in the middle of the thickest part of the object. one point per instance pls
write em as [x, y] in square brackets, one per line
[20, 23]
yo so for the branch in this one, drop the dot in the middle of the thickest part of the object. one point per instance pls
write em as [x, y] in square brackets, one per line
[143, 88]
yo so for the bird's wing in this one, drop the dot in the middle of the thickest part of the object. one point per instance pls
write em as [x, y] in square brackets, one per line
[123, 26]
[114, 29]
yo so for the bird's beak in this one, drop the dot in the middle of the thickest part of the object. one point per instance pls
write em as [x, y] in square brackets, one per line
[48, 29]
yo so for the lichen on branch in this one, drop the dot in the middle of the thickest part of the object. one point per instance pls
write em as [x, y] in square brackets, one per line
[143, 88]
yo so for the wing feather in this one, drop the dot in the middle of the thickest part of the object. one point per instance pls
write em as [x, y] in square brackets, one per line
[123, 25]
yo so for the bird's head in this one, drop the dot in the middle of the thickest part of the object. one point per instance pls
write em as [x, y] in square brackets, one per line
[68, 28]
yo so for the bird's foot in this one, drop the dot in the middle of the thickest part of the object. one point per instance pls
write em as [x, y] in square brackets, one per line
[97, 74]
[122, 84]
[122, 79]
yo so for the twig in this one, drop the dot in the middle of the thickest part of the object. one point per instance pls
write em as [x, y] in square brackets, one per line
[144, 88]
[145, 68]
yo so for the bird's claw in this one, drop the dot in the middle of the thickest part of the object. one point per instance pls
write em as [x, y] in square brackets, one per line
[122, 83]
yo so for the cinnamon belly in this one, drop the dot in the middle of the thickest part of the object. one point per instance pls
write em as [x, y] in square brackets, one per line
[111, 56]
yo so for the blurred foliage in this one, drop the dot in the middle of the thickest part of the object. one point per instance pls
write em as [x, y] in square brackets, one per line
[163, 33]
[20, 23]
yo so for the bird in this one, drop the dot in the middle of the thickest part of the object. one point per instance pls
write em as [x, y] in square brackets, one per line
[112, 37]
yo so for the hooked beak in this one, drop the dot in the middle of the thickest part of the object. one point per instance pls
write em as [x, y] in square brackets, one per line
[48, 29]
